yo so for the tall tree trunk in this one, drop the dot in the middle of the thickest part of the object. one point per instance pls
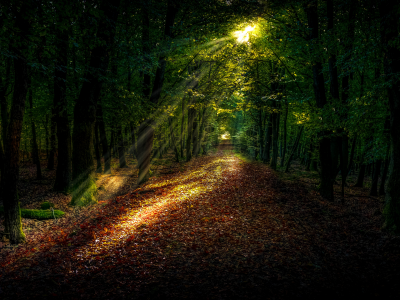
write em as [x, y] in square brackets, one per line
[133, 138]
[196, 144]
[296, 143]
[326, 186]
[384, 175]
[202, 131]
[46, 135]
[182, 126]
[284, 146]
[352, 152]
[389, 32]
[106, 151]
[189, 139]
[275, 137]
[344, 162]
[10, 172]
[375, 178]
[171, 130]
[97, 148]
[64, 163]
[112, 143]
[268, 139]
[84, 187]
[146, 130]
[260, 124]
[121, 148]
[35, 150]
[53, 126]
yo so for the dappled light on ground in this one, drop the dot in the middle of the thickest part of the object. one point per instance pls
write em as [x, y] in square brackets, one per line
[223, 228]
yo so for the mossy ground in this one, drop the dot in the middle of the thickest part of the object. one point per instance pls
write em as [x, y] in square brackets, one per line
[38, 214]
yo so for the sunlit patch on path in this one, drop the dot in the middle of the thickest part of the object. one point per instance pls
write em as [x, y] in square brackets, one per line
[223, 228]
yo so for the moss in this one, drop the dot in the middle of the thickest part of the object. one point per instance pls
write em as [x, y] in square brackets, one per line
[84, 192]
[38, 214]
[46, 205]
[41, 214]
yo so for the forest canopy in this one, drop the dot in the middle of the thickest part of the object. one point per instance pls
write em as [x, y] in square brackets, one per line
[85, 80]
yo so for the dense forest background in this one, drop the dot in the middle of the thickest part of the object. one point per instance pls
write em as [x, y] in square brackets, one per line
[81, 81]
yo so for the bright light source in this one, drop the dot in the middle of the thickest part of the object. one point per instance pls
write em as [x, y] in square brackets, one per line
[249, 28]
[243, 36]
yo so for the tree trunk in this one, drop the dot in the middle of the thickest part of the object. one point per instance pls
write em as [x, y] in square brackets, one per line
[121, 148]
[10, 172]
[196, 144]
[389, 32]
[84, 187]
[296, 143]
[171, 130]
[375, 178]
[144, 148]
[106, 151]
[326, 186]
[64, 164]
[189, 139]
[268, 139]
[275, 136]
[384, 175]
[146, 130]
[97, 148]
[284, 134]
[133, 138]
[182, 126]
[352, 152]
[53, 126]
[260, 124]
[35, 150]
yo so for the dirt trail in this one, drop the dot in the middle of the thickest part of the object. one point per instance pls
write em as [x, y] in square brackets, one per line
[221, 229]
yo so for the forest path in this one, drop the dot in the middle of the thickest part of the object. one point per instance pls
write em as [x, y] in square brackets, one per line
[223, 228]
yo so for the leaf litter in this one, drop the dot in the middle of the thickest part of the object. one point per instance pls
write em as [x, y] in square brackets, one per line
[222, 228]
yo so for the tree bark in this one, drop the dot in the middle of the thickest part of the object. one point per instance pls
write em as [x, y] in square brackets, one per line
[35, 150]
[189, 139]
[182, 126]
[106, 151]
[10, 172]
[64, 163]
[196, 144]
[146, 131]
[284, 134]
[171, 130]
[53, 126]
[326, 186]
[296, 143]
[375, 178]
[121, 148]
[133, 138]
[384, 175]
[97, 148]
[389, 33]
[275, 136]
[85, 109]
[268, 139]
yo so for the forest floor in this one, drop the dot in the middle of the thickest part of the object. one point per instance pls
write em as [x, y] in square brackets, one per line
[217, 227]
